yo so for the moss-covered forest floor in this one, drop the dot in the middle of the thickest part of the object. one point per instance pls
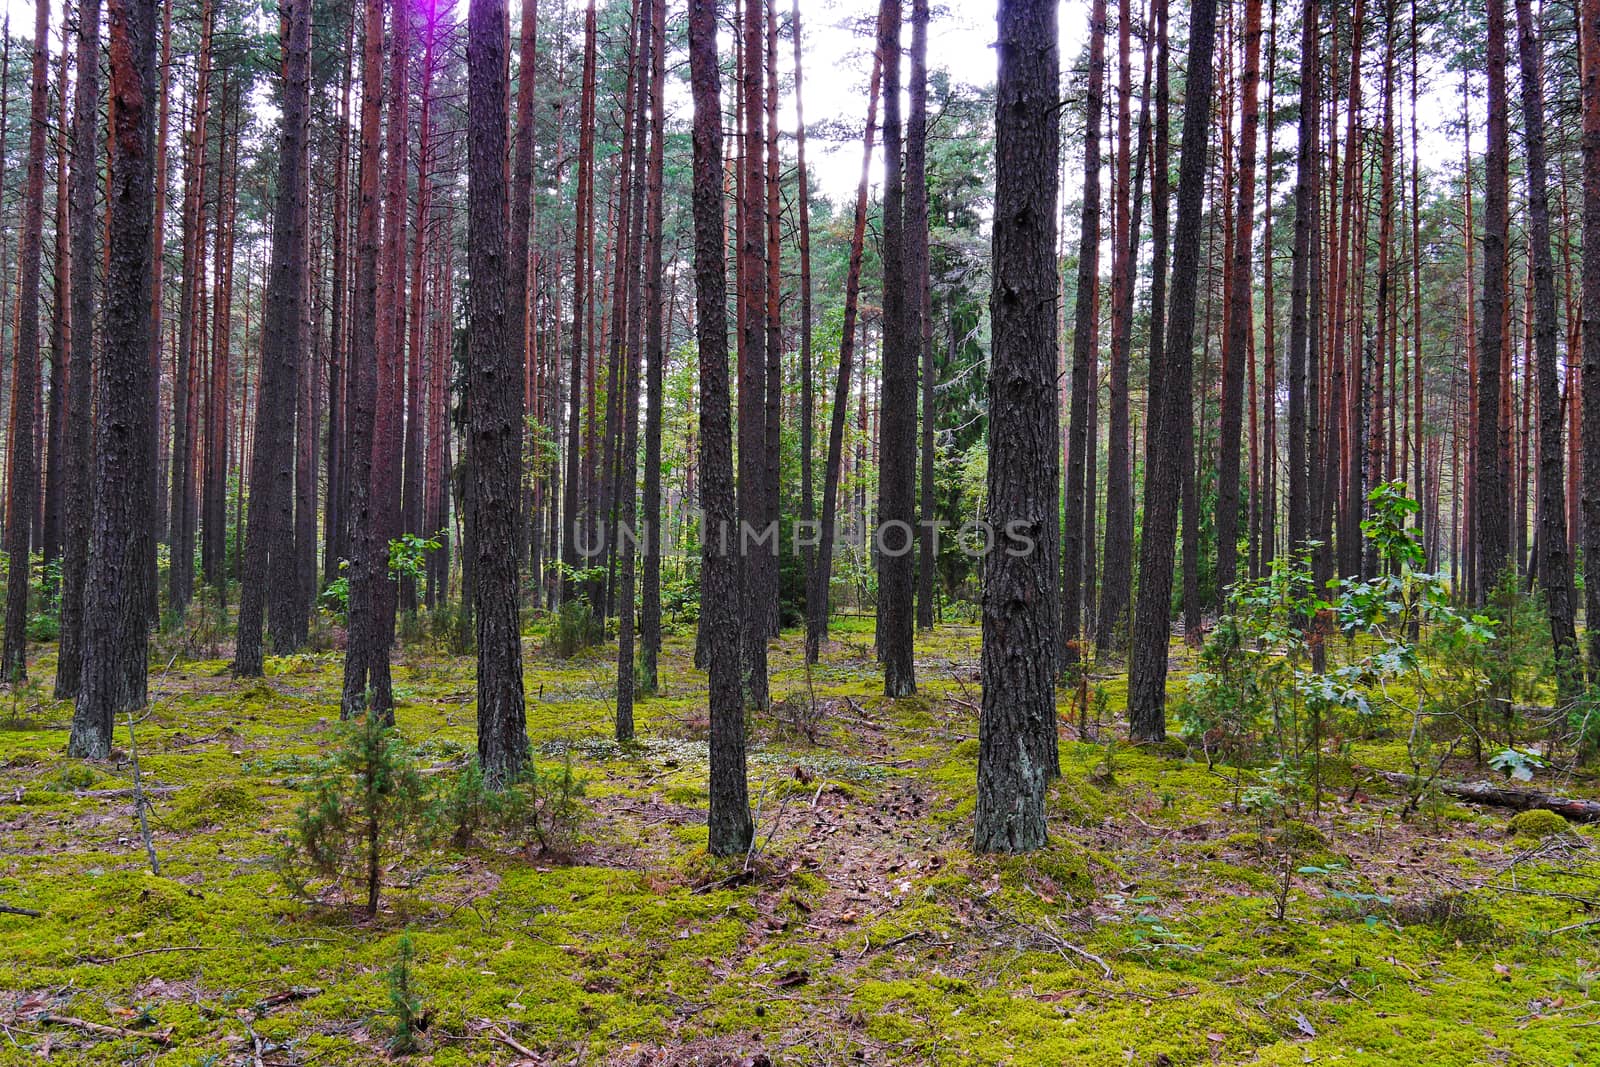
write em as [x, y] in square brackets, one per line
[862, 931]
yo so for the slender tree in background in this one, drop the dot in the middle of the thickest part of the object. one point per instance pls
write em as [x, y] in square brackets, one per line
[494, 399]
[1085, 336]
[78, 439]
[919, 300]
[1119, 475]
[191, 298]
[1589, 38]
[269, 539]
[808, 503]
[628, 476]
[895, 536]
[1489, 499]
[1555, 569]
[22, 493]
[731, 828]
[361, 393]
[335, 547]
[820, 579]
[655, 352]
[60, 311]
[1237, 337]
[1152, 623]
[522, 275]
[758, 556]
[1017, 728]
[570, 512]
[1301, 336]
[115, 661]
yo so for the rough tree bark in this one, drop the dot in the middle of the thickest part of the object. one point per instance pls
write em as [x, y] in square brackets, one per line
[80, 383]
[269, 539]
[731, 828]
[22, 493]
[1589, 34]
[79, 436]
[1152, 623]
[655, 353]
[494, 399]
[115, 661]
[362, 385]
[1241, 295]
[1085, 337]
[1017, 727]
[758, 557]
[1489, 498]
[1555, 568]
[895, 537]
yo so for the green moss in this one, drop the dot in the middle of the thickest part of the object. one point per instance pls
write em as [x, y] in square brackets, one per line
[1538, 824]
[215, 804]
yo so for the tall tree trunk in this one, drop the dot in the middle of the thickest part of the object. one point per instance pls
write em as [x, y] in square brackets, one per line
[1489, 512]
[1125, 252]
[760, 559]
[919, 293]
[180, 568]
[581, 270]
[269, 557]
[389, 402]
[60, 326]
[494, 393]
[80, 385]
[334, 540]
[1555, 572]
[1267, 509]
[626, 538]
[902, 331]
[1152, 624]
[1085, 337]
[411, 511]
[522, 280]
[22, 492]
[115, 660]
[368, 551]
[1241, 296]
[808, 504]
[731, 829]
[214, 472]
[1589, 37]
[655, 352]
[1017, 728]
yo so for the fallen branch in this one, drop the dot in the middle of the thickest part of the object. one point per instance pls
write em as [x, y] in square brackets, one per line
[1575, 808]
[12, 909]
[163, 1037]
[509, 1042]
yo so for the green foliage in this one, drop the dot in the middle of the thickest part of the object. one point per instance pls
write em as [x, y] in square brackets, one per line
[541, 806]
[466, 807]
[405, 1003]
[366, 805]
[573, 629]
[408, 556]
[335, 596]
[551, 811]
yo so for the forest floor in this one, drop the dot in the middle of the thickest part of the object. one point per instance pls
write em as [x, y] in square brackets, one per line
[862, 930]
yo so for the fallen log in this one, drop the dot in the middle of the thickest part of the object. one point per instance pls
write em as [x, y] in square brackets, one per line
[1574, 808]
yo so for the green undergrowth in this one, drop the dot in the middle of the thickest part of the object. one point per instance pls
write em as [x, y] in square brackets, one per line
[861, 927]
